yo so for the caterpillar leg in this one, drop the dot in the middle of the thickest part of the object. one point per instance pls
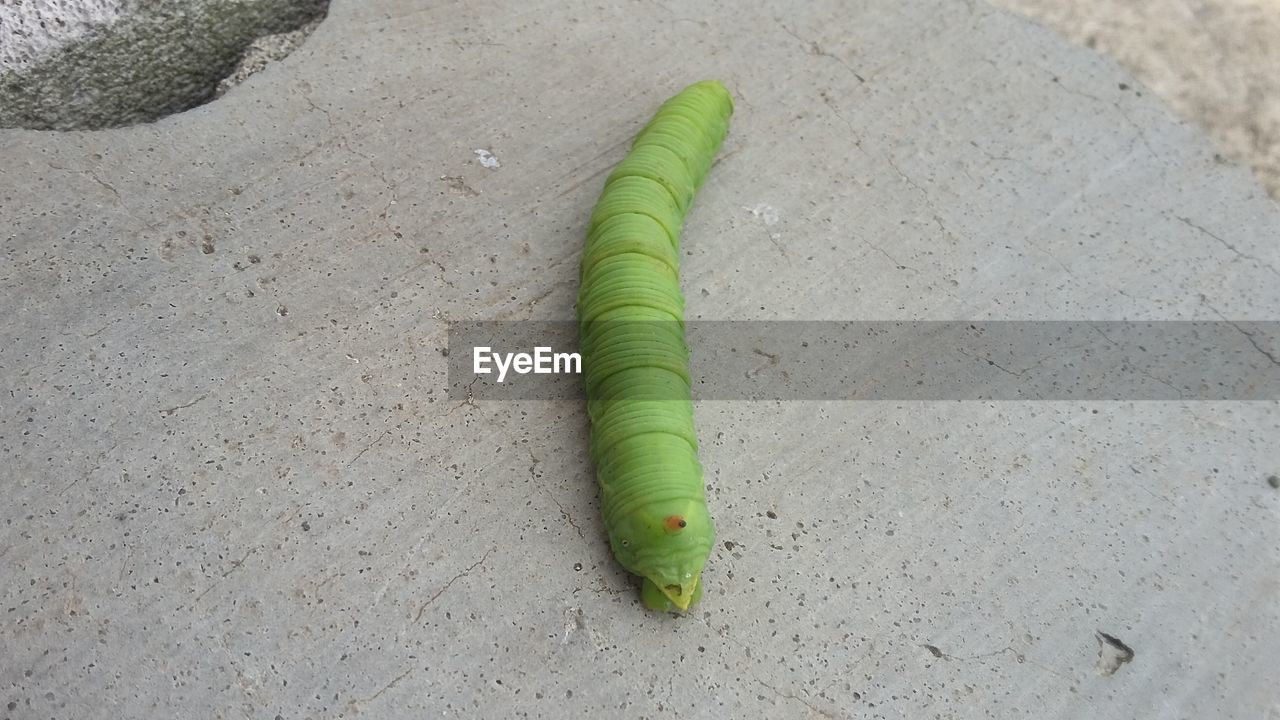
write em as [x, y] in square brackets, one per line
[655, 599]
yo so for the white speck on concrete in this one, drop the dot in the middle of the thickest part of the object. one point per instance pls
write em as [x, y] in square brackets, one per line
[767, 213]
[573, 621]
[487, 159]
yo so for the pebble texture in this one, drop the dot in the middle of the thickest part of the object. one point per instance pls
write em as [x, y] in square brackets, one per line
[30, 29]
[234, 480]
[264, 51]
[89, 64]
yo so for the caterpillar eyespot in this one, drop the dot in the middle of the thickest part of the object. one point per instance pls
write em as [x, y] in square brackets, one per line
[635, 361]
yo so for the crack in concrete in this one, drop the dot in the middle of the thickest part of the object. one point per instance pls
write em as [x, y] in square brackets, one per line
[429, 261]
[797, 698]
[678, 18]
[328, 118]
[469, 401]
[531, 304]
[815, 49]
[366, 448]
[423, 608]
[992, 363]
[830, 103]
[345, 143]
[1189, 223]
[120, 202]
[1139, 370]
[533, 475]
[896, 263]
[905, 178]
[168, 412]
[102, 456]
[99, 331]
[236, 565]
[1248, 335]
[937, 652]
[388, 686]
[1114, 104]
[1254, 342]
[392, 191]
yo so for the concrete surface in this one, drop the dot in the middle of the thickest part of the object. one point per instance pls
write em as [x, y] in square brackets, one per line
[92, 64]
[234, 486]
[1216, 62]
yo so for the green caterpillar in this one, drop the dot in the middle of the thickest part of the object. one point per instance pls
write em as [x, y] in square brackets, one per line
[635, 360]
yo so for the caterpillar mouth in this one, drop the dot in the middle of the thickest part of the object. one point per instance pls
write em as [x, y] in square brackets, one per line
[680, 596]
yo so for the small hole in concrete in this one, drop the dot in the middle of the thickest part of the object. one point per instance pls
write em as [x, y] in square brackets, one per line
[1112, 653]
[96, 64]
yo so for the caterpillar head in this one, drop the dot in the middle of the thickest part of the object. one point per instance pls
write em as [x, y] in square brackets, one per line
[667, 543]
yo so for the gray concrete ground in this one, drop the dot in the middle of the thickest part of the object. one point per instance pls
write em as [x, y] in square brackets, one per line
[1216, 62]
[234, 486]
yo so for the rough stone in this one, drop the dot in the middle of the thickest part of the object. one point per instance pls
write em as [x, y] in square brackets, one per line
[93, 64]
[262, 52]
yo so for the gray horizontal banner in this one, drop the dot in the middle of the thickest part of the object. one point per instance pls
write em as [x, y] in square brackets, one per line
[947, 360]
